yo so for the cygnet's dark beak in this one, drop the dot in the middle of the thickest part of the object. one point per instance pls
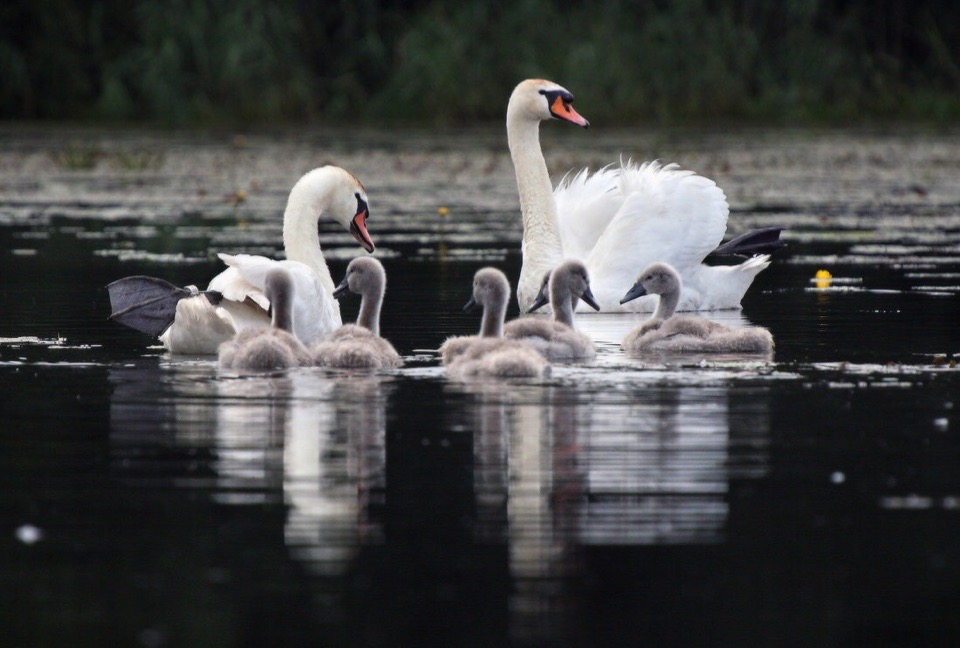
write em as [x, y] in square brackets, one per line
[341, 289]
[637, 291]
[472, 306]
[539, 301]
[587, 296]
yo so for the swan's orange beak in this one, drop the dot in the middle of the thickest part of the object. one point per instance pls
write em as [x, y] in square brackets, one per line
[564, 110]
[358, 227]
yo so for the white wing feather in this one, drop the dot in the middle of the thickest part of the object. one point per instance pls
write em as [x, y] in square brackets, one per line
[315, 312]
[585, 206]
[667, 214]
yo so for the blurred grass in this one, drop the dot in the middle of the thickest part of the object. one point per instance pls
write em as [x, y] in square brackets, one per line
[78, 157]
[451, 61]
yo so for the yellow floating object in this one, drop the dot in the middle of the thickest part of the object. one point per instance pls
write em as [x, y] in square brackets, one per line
[443, 211]
[822, 279]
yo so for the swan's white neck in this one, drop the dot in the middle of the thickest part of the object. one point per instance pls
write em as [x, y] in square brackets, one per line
[370, 305]
[542, 247]
[301, 241]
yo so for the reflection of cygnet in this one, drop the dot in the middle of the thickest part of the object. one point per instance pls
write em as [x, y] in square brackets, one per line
[488, 354]
[666, 331]
[273, 347]
[359, 345]
[556, 339]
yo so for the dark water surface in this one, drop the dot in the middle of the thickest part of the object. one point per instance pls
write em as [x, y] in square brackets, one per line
[151, 500]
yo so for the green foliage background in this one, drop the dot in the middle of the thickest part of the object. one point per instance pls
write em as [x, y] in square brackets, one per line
[451, 61]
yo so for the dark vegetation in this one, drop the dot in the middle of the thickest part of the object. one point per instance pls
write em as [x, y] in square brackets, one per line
[203, 61]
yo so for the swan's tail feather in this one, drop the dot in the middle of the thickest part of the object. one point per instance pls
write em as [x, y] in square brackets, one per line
[754, 265]
[761, 241]
[199, 327]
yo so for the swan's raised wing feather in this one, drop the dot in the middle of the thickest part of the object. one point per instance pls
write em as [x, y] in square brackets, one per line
[668, 214]
[315, 312]
[586, 203]
[235, 288]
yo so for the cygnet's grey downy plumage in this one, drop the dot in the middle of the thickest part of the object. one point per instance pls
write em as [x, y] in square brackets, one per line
[491, 292]
[359, 346]
[556, 339]
[489, 354]
[666, 331]
[272, 347]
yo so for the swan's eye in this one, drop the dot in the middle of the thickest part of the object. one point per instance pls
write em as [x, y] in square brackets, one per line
[362, 205]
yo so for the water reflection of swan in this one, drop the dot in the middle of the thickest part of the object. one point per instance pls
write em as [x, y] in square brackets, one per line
[631, 467]
[331, 475]
[327, 442]
[300, 438]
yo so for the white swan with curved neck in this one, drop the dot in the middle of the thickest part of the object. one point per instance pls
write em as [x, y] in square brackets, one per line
[619, 218]
[200, 327]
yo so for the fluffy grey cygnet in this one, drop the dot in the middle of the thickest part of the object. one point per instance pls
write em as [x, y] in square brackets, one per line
[272, 347]
[359, 346]
[556, 339]
[666, 331]
[489, 354]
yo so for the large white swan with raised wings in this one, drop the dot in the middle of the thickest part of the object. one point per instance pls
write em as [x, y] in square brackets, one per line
[621, 218]
[200, 326]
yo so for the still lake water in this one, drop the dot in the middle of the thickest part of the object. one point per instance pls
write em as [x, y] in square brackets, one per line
[151, 500]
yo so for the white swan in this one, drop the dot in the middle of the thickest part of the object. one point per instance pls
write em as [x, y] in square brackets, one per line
[621, 218]
[489, 354]
[556, 339]
[273, 347]
[200, 327]
[359, 345]
[666, 331]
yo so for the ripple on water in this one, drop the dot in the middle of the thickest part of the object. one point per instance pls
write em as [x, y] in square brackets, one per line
[128, 256]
